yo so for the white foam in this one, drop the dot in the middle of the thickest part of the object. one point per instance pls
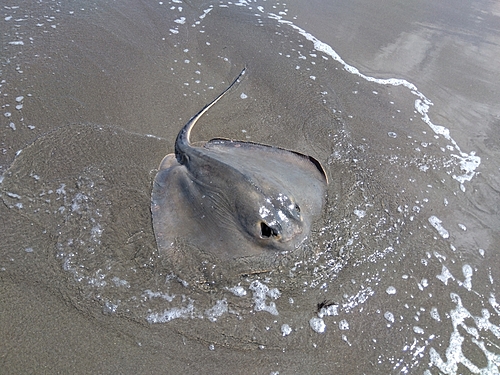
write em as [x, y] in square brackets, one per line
[360, 213]
[344, 337]
[171, 314]
[392, 134]
[357, 299]
[13, 195]
[96, 232]
[285, 329]
[119, 282]
[328, 311]
[150, 294]
[436, 223]
[391, 290]
[435, 314]
[317, 325]
[418, 330]
[445, 275]
[238, 291]
[467, 271]
[461, 317]
[217, 310]
[109, 307]
[343, 325]
[389, 316]
[205, 12]
[260, 294]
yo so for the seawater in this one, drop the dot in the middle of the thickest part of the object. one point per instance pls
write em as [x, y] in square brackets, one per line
[389, 272]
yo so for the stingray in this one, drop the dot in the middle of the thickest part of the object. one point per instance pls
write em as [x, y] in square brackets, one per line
[235, 199]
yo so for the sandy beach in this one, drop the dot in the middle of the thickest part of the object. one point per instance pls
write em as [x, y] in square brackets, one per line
[399, 102]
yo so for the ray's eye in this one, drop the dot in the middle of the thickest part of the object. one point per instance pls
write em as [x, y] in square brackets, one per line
[297, 208]
[266, 231]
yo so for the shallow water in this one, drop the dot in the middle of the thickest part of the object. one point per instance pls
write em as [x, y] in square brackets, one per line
[399, 274]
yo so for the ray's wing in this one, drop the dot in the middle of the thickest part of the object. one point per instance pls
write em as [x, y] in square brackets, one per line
[300, 174]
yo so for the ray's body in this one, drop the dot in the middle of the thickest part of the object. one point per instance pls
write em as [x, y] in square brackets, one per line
[234, 198]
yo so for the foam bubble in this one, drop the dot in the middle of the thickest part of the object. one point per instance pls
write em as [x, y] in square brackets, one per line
[171, 314]
[238, 291]
[360, 213]
[317, 325]
[286, 329]
[418, 330]
[389, 316]
[343, 325]
[217, 310]
[435, 314]
[445, 275]
[391, 290]
[436, 223]
[260, 294]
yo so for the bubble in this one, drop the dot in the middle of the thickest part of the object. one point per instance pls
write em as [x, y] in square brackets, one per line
[318, 325]
[389, 316]
[391, 290]
[286, 329]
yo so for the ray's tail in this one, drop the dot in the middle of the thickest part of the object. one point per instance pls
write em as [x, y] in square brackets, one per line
[182, 143]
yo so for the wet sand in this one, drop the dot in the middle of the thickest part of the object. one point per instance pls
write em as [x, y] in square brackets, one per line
[105, 88]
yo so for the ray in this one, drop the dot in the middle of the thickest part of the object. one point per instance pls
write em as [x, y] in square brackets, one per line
[235, 199]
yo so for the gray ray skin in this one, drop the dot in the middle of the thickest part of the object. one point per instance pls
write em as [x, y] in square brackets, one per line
[233, 198]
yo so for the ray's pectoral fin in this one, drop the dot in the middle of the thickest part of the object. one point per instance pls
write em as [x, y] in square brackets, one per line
[297, 159]
[166, 201]
[279, 192]
[182, 210]
[168, 162]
